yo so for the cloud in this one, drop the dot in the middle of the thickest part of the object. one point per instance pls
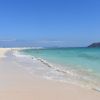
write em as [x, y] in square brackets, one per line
[7, 40]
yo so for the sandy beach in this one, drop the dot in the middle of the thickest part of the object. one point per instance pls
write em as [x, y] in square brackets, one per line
[3, 51]
[16, 83]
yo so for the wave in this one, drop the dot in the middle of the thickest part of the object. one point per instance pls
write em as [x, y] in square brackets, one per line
[18, 53]
[84, 78]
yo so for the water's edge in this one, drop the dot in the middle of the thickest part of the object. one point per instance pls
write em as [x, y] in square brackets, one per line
[58, 70]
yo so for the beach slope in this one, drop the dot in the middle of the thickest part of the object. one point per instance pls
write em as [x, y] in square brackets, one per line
[16, 83]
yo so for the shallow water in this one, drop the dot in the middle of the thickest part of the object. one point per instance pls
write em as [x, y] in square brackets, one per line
[76, 65]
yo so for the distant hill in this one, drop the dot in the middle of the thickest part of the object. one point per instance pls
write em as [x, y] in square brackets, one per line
[95, 45]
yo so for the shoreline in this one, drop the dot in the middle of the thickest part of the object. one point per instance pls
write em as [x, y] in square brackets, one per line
[56, 68]
[18, 84]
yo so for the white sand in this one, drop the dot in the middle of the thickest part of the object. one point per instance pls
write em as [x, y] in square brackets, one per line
[17, 84]
[3, 51]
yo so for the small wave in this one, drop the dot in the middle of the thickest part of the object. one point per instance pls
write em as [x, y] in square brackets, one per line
[18, 53]
[76, 76]
[45, 62]
[60, 69]
[80, 76]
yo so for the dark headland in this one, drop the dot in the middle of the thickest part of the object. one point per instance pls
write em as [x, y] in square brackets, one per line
[95, 45]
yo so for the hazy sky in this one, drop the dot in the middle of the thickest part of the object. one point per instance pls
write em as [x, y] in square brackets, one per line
[75, 21]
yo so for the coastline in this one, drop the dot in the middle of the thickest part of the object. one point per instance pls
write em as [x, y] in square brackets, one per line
[18, 84]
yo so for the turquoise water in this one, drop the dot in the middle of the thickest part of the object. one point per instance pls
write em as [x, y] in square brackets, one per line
[80, 64]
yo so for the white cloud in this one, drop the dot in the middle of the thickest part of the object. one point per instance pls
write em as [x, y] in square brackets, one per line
[7, 40]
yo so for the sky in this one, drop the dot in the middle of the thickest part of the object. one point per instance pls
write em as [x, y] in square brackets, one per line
[62, 22]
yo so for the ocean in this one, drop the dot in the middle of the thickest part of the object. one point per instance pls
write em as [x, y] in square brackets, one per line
[79, 66]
